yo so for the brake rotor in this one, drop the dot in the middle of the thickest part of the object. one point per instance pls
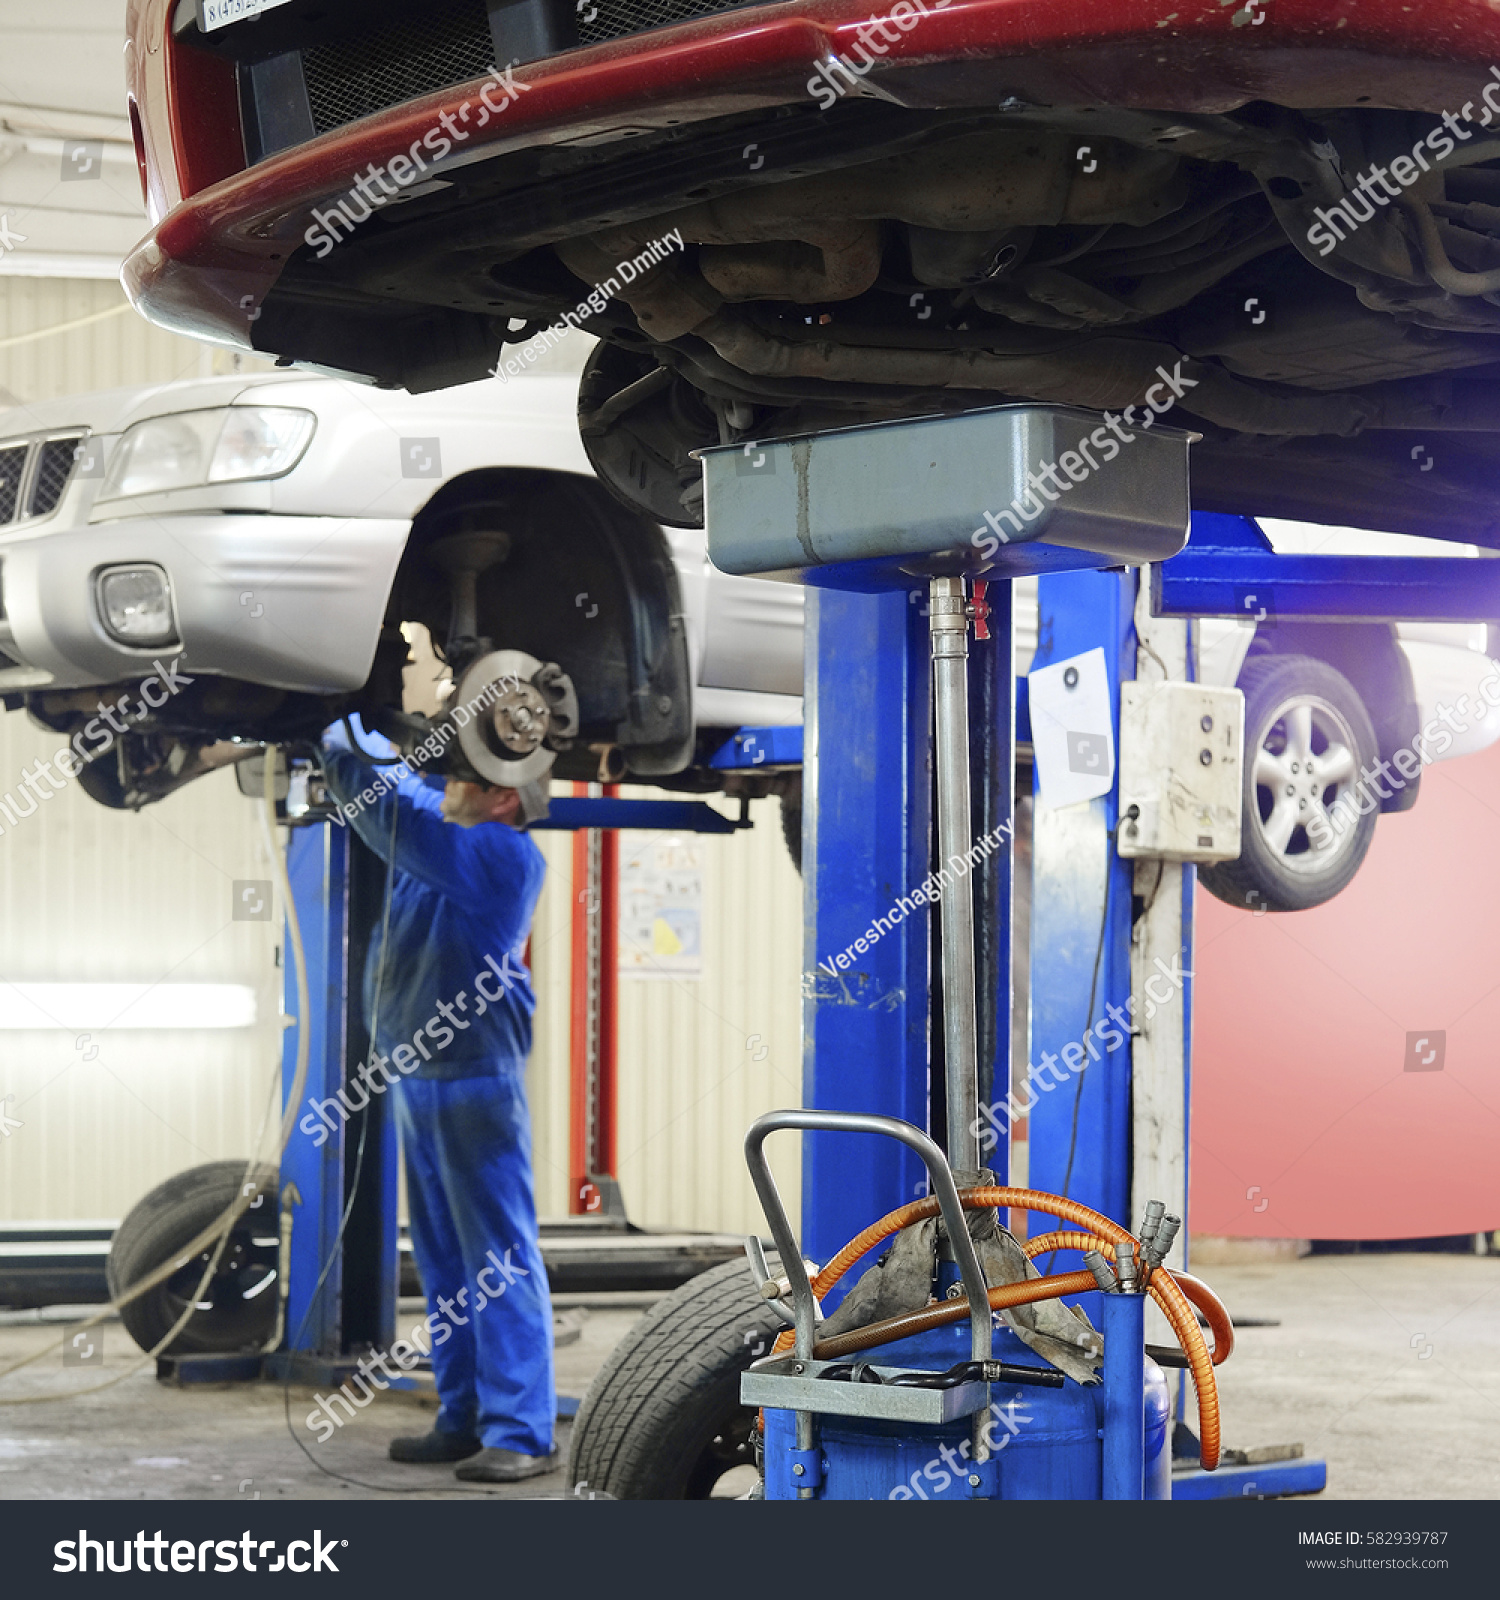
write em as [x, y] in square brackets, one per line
[503, 738]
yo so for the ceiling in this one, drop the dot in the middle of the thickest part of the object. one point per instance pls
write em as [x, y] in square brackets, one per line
[70, 197]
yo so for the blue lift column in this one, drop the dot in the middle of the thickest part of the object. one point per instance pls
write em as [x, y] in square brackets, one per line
[871, 1041]
[866, 812]
[992, 762]
[342, 1290]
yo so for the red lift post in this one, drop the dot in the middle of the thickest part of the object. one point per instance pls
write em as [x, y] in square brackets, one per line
[595, 1018]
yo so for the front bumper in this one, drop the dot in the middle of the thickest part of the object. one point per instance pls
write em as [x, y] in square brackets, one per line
[294, 603]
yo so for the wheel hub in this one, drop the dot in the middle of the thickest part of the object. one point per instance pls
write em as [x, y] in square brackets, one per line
[1304, 763]
[521, 719]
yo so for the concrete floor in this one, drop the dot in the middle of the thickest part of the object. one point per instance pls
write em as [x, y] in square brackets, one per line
[143, 1440]
[1387, 1366]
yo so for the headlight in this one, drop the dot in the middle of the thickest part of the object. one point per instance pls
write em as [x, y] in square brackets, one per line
[135, 604]
[230, 445]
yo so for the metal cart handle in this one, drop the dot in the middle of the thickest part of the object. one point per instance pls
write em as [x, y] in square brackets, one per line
[942, 1184]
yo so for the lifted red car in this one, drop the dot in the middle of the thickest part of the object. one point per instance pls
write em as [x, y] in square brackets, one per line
[1293, 205]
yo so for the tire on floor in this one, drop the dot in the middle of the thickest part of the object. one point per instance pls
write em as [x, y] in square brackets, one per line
[239, 1305]
[662, 1419]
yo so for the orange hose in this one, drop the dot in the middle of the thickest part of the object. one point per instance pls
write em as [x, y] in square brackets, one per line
[893, 1222]
[1064, 1239]
[1213, 1308]
[1172, 1299]
[1197, 1292]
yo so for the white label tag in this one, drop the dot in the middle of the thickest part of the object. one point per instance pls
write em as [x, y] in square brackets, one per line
[220, 13]
[1071, 729]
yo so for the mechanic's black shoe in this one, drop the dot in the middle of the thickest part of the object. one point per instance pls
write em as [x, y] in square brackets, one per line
[504, 1466]
[435, 1447]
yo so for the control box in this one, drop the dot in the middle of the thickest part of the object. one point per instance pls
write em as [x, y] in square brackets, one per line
[1182, 758]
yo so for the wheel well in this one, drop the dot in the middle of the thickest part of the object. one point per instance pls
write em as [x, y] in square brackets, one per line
[1370, 657]
[586, 584]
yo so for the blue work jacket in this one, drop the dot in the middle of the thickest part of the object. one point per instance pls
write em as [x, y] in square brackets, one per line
[451, 987]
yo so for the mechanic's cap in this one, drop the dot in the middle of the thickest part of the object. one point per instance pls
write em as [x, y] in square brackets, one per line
[535, 801]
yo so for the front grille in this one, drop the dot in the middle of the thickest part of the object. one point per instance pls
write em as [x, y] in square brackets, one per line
[395, 62]
[398, 56]
[12, 466]
[599, 20]
[54, 467]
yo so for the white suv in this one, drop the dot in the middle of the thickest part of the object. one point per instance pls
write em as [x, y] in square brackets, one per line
[279, 538]
[284, 540]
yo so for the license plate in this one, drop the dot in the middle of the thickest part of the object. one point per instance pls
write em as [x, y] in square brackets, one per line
[220, 13]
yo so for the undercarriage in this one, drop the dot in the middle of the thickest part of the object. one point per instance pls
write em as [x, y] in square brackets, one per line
[1334, 329]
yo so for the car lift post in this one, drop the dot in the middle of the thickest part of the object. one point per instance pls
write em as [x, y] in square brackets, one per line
[339, 886]
[1078, 1132]
[870, 1042]
[867, 1033]
[867, 810]
[593, 1187]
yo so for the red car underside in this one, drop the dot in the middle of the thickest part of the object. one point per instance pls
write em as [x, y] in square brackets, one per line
[1004, 200]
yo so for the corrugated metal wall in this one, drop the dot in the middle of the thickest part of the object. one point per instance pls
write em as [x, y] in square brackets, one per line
[118, 347]
[699, 1059]
[92, 895]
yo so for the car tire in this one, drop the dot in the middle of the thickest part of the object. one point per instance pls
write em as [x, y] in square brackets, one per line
[100, 781]
[662, 1419]
[240, 1303]
[1296, 706]
[791, 822]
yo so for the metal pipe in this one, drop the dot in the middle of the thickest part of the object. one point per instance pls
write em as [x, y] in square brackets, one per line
[1123, 1318]
[948, 606]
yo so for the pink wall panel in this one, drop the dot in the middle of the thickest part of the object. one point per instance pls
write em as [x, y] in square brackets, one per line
[1306, 1122]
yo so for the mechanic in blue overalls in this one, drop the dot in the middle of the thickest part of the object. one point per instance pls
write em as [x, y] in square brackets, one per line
[450, 1006]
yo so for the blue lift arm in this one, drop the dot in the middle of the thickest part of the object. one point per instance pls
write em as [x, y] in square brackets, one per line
[1230, 570]
[675, 816]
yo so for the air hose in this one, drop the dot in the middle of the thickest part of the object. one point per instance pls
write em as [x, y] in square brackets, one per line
[1163, 1288]
[1197, 1292]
